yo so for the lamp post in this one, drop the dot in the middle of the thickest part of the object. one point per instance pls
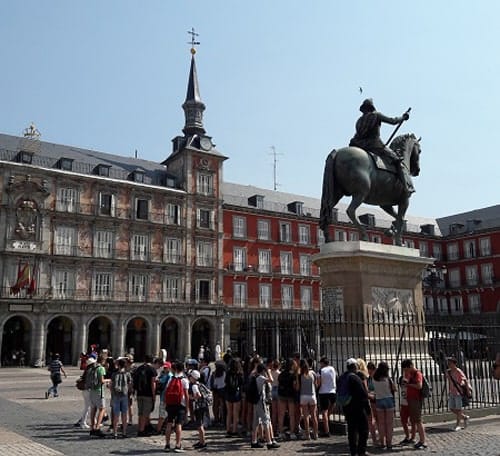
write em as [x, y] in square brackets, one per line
[433, 280]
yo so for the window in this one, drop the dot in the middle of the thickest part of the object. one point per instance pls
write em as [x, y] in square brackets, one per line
[305, 265]
[410, 243]
[173, 214]
[102, 170]
[102, 285]
[424, 248]
[456, 306]
[138, 287]
[452, 250]
[487, 273]
[286, 262]
[304, 235]
[204, 218]
[64, 242]
[205, 184]
[321, 237]
[141, 209]
[204, 254]
[470, 248]
[66, 164]
[471, 275]
[106, 204]
[67, 200]
[265, 295]
[173, 250]
[429, 304]
[25, 157]
[474, 304]
[173, 289]
[103, 246]
[287, 296]
[265, 261]
[454, 278]
[63, 284]
[306, 298]
[353, 236]
[239, 227]
[239, 259]
[340, 235]
[263, 230]
[485, 246]
[140, 247]
[203, 291]
[285, 232]
[436, 251]
[442, 306]
[239, 294]
[259, 201]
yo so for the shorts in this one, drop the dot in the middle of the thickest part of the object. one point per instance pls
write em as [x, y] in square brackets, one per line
[199, 415]
[233, 397]
[97, 399]
[261, 414]
[306, 399]
[455, 402]
[145, 405]
[274, 393]
[326, 400]
[176, 413]
[162, 413]
[415, 408]
[386, 403]
[119, 404]
[404, 413]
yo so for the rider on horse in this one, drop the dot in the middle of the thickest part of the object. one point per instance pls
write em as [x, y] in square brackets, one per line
[367, 137]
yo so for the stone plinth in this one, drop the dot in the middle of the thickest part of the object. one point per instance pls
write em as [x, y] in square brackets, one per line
[372, 302]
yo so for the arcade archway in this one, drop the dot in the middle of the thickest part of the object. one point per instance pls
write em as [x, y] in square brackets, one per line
[16, 341]
[136, 338]
[201, 334]
[170, 338]
[100, 333]
[60, 339]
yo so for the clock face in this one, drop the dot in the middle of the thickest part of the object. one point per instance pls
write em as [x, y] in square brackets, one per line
[205, 143]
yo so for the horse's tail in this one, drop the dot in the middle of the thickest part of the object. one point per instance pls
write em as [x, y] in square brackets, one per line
[329, 197]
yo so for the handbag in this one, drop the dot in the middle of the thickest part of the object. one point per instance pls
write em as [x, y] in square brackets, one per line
[467, 395]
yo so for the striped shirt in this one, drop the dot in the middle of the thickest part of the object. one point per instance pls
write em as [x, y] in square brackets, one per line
[55, 366]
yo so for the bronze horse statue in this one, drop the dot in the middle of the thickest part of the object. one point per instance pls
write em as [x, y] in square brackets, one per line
[351, 171]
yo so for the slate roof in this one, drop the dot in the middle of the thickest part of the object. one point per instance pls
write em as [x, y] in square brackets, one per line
[485, 218]
[237, 195]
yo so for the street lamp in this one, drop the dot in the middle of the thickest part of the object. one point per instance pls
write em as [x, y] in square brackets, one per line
[433, 280]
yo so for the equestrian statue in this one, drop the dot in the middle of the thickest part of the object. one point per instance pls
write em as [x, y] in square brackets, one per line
[371, 172]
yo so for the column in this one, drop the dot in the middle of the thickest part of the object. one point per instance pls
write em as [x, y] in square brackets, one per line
[120, 336]
[187, 336]
[82, 343]
[277, 340]
[155, 336]
[38, 347]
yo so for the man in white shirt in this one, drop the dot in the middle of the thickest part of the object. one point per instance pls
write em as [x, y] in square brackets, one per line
[327, 379]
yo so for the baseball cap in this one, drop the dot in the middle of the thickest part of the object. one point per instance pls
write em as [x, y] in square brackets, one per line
[352, 361]
[195, 374]
[167, 365]
[90, 361]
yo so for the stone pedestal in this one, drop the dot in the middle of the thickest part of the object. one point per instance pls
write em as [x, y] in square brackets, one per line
[372, 304]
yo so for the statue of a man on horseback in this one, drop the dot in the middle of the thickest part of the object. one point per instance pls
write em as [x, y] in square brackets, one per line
[367, 137]
[354, 171]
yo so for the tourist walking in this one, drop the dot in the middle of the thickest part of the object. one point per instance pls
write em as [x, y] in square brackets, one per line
[458, 391]
[55, 368]
[385, 404]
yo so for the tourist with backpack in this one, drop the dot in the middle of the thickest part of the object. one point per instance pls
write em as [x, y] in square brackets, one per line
[352, 399]
[145, 388]
[233, 388]
[161, 383]
[95, 382]
[81, 384]
[201, 398]
[176, 399]
[288, 384]
[459, 392]
[120, 384]
[414, 380]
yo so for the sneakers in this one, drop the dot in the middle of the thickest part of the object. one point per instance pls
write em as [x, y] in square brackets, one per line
[466, 420]
[84, 426]
[420, 446]
[257, 445]
[273, 446]
[179, 449]
[46, 394]
[167, 448]
[407, 441]
[199, 445]
[97, 433]
[457, 428]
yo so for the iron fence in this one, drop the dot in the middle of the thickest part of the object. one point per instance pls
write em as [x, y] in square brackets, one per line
[391, 338]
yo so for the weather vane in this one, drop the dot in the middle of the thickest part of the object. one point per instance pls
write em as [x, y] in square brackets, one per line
[193, 41]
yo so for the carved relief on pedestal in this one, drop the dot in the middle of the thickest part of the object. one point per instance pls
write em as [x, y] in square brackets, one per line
[392, 304]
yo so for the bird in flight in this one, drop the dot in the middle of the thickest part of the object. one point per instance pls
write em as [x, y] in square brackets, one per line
[361, 90]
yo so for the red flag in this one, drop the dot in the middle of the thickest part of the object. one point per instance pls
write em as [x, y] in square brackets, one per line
[23, 278]
[32, 285]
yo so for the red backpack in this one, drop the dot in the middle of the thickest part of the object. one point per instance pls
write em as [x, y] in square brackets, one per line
[174, 391]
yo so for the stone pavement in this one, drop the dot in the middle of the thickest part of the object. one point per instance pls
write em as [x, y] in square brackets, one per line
[32, 425]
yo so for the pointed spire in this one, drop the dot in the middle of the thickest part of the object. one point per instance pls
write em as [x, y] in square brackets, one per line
[193, 106]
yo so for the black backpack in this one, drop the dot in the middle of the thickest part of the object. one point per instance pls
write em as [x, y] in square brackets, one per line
[253, 395]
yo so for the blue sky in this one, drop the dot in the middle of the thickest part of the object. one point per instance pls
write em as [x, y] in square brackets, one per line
[112, 76]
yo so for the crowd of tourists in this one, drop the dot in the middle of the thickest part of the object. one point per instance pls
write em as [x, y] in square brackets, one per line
[266, 402]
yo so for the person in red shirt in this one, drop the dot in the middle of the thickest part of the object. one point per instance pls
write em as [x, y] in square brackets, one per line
[413, 380]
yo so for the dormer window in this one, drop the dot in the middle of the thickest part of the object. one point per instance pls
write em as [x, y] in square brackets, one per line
[25, 157]
[102, 170]
[137, 176]
[297, 207]
[367, 219]
[66, 164]
[256, 201]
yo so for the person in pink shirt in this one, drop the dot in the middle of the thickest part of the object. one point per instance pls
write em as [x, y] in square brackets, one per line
[457, 387]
